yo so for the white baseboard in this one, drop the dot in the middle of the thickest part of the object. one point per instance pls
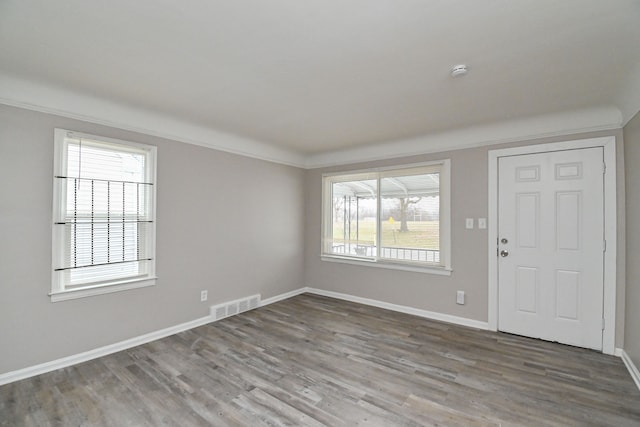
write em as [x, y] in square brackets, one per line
[64, 362]
[281, 297]
[402, 308]
[31, 371]
[633, 370]
[53, 365]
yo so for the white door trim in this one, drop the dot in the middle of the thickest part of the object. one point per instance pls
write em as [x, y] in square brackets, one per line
[610, 227]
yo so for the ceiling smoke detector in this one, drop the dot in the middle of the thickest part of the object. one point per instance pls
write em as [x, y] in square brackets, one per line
[459, 70]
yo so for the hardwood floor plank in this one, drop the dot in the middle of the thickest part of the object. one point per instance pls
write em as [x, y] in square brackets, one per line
[313, 361]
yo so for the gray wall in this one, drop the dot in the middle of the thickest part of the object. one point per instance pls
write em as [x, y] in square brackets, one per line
[469, 199]
[430, 292]
[200, 244]
[270, 247]
[632, 159]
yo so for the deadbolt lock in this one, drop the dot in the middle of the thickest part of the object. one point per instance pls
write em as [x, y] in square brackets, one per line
[504, 241]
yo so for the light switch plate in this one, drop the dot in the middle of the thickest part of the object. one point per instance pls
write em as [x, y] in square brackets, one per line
[482, 223]
[469, 223]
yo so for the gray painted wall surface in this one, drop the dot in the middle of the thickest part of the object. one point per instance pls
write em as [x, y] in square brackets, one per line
[632, 159]
[425, 291]
[469, 199]
[201, 244]
[270, 247]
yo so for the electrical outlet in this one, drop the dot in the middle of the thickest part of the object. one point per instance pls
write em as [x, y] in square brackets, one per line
[203, 295]
[460, 297]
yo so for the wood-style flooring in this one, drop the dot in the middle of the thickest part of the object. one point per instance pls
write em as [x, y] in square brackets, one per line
[312, 361]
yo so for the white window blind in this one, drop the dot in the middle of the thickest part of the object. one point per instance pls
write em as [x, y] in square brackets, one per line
[104, 229]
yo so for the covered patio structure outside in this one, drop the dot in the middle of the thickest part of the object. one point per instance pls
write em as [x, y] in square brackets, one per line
[408, 226]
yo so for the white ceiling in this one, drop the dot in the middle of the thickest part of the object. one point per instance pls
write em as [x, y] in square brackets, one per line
[300, 80]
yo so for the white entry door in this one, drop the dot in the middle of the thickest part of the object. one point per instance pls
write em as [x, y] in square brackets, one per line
[550, 244]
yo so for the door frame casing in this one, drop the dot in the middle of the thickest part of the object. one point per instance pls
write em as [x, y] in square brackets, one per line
[608, 144]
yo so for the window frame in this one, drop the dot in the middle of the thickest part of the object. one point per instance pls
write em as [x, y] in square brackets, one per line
[443, 268]
[60, 289]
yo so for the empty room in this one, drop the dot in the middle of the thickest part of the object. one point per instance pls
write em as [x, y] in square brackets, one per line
[308, 213]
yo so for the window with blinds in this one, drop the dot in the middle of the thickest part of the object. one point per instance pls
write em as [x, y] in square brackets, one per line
[104, 199]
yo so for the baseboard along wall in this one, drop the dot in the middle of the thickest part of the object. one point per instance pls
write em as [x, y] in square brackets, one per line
[64, 362]
[402, 309]
[631, 367]
[75, 359]
[43, 368]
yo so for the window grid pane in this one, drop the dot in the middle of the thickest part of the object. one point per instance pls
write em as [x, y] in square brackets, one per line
[353, 207]
[410, 218]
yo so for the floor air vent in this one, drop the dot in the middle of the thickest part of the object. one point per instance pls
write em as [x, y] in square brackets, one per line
[230, 308]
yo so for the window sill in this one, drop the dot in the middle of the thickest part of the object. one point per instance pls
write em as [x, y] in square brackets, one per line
[440, 271]
[90, 291]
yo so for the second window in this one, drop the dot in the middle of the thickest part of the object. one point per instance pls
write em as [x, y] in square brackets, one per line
[397, 215]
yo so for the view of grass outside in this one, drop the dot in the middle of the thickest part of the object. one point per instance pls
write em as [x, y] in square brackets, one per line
[421, 234]
[404, 204]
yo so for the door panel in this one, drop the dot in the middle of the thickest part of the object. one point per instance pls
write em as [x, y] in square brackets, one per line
[567, 294]
[568, 216]
[550, 274]
[527, 289]
[527, 210]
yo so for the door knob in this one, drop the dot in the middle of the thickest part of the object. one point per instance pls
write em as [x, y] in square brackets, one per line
[504, 253]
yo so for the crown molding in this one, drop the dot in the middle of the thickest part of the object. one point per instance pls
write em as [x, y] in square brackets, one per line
[629, 98]
[21, 93]
[562, 124]
[47, 99]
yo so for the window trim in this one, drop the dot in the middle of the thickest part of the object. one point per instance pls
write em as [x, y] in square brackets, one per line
[445, 220]
[59, 291]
